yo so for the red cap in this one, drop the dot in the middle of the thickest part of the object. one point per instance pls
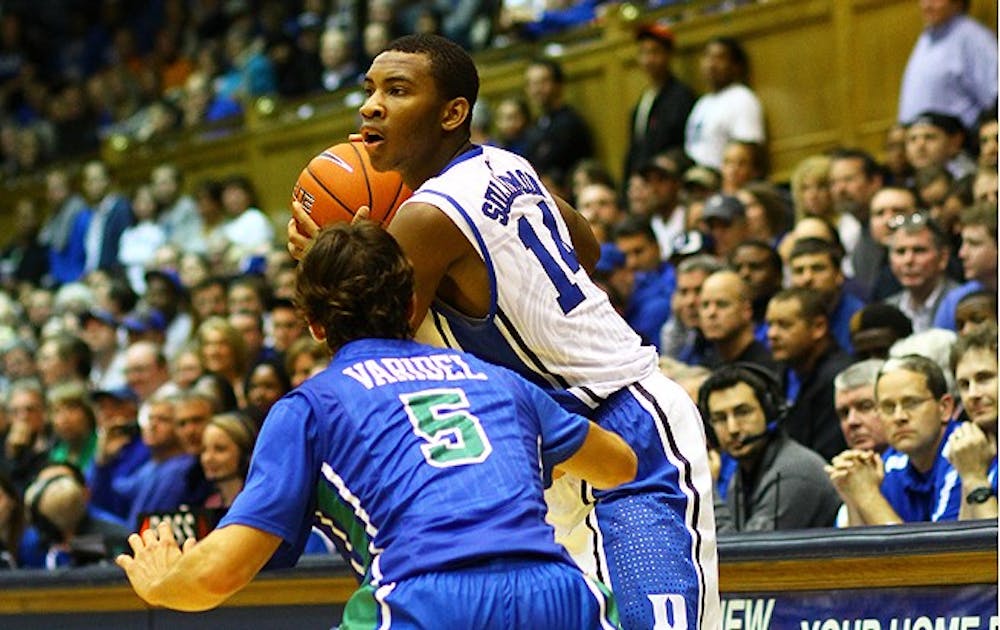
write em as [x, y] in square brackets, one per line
[655, 30]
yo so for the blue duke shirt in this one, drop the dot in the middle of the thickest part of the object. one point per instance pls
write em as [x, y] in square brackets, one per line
[918, 497]
[413, 459]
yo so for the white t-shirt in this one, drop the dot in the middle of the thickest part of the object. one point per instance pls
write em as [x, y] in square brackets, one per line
[732, 113]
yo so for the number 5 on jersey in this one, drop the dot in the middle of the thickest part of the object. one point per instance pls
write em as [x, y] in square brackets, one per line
[453, 436]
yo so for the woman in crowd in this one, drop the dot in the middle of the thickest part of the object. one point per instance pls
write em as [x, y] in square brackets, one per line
[227, 443]
[768, 216]
[186, 367]
[223, 352]
[812, 198]
[304, 358]
[266, 382]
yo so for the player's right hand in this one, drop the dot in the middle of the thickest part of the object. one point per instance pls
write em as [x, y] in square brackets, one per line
[301, 231]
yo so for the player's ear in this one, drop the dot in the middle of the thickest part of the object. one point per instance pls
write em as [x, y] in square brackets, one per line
[317, 332]
[455, 113]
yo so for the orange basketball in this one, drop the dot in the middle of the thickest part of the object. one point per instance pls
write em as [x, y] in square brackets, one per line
[341, 179]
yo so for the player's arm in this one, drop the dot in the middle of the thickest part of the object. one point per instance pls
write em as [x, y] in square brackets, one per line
[433, 244]
[604, 459]
[588, 250]
[203, 574]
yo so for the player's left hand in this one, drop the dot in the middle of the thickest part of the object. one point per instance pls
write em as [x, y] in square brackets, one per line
[155, 552]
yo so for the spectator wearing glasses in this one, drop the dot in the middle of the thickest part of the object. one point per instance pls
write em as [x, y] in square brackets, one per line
[918, 257]
[912, 481]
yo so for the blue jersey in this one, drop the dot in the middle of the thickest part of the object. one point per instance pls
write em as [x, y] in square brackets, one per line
[414, 459]
[918, 497]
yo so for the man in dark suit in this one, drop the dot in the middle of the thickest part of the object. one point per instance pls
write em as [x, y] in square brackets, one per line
[112, 213]
[798, 330]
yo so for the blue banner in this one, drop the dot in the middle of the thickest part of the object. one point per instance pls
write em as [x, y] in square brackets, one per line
[910, 608]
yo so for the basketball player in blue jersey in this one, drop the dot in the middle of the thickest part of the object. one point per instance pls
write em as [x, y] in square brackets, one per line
[425, 464]
[502, 269]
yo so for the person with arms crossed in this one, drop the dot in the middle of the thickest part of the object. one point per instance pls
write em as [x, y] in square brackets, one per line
[502, 267]
[438, 457]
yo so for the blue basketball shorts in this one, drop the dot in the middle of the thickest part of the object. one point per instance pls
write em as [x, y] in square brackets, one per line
[502, 595]
[653, 540]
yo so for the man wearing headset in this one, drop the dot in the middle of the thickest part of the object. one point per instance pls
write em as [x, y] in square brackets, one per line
[780, 484]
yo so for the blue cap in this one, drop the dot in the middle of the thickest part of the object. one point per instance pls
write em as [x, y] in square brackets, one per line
[169, 275]
[100, 315]
[118, 393]
[145, 321]
[611, 258]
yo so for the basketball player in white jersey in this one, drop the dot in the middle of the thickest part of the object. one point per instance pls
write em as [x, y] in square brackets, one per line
[501, 268]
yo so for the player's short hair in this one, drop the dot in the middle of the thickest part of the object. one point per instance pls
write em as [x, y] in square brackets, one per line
[356, 283]
[453, 70]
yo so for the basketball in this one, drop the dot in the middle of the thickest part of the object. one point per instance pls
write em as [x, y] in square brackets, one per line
[341, 179]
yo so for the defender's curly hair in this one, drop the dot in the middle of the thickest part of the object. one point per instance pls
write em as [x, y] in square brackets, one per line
[356, 283]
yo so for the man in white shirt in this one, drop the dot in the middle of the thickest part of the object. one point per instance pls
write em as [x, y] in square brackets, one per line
[918, 257]
[729, 111]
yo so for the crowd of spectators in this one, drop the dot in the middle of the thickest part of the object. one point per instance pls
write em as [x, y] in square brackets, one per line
[144, 334]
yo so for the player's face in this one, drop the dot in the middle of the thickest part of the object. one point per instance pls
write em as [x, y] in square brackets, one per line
[736, 414]
[220, 457]
[401, 116]
[976, 377]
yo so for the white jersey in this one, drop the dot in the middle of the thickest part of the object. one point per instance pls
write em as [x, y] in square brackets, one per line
[547, 320]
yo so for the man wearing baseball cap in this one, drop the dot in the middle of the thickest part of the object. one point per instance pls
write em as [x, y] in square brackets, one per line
[725, 217]
[658, 118]
[935, 139]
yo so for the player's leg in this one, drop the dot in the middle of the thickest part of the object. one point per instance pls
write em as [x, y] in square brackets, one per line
[654, 539]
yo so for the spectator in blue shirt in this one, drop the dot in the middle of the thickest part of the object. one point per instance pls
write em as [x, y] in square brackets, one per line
[816, 264]
[972, 447]
[912, 481]
[648, 307]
